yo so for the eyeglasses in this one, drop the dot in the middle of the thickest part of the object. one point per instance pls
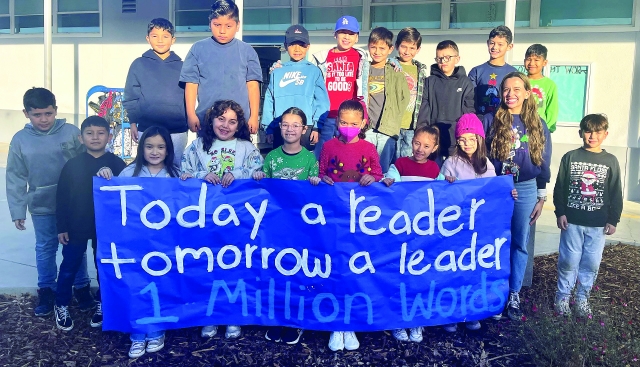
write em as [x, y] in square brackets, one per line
[467, 142]
[292, 126]
[444, 59]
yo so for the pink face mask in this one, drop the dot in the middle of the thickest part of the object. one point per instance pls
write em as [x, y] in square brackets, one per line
[349, 133]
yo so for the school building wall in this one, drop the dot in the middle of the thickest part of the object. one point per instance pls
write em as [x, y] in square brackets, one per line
[82, 62]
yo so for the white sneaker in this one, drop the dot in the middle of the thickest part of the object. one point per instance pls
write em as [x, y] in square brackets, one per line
[233, 332]
[562, 306]
[209, 331]
[582, 308]
[415, 334]
[401, 335]
[351, 341]
[336, 341]
[137, 349]
[450, 328]
[155, 345]
[473, 325]
[497, 317]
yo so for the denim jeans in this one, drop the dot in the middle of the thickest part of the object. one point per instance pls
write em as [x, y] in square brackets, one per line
[151, 336]
[46, 249]
[520, 229]
[386, 147]
[580, 255]
[73, 254]
[327, 131]
[405, 143]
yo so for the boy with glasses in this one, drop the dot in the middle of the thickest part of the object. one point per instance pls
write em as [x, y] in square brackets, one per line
[447, 95]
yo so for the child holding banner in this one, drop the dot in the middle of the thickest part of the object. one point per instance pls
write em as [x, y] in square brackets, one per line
[154, 159]
[222, 153]
[290, 162]
[349, 158]
[421, 166]
[519, 144]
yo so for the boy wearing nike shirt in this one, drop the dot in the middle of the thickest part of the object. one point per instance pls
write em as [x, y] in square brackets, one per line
[298, 83]
[346, 73]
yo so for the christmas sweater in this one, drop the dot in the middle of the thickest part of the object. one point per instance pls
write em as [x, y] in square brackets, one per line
[545, 93]
[348, 162]
[285, 166]
[588, 188]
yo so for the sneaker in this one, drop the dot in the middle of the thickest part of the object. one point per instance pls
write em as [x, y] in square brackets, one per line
[497, 317]
[63, 318]
[401, 335]
[336, 341]
[96, 319]
[209, 331]
[233, 332]
[291, 336]
[473, 325]
[450, 328]
[562, 306]
[46, 301]
[415, 334]
[84, 298]
[274, 334]
[351, 341]
[155, 345]
[137, 349]
[583, 309]
[513, 307]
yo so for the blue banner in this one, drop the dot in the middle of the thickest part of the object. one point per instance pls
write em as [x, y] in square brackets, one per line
[174, 254]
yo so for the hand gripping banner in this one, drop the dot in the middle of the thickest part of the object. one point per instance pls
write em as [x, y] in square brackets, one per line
[174, 254]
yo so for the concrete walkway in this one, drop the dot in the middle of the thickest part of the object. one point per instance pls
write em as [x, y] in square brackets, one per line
[17, 248]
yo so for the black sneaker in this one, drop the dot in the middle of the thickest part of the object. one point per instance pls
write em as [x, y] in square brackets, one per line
[96, 319]
[84, 298]
[291, 335]
[63, 318]
[274, 334]
[46, 300]
[513, 307]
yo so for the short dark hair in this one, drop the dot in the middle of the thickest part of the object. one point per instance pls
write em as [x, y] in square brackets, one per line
[381, 34]
[162, 24]
[298, 112]
[594, 122]
[409, 34]
[38, 98]
[94, 121]
[221, 8]
[447, 44]
[502, 31]
[536, 50]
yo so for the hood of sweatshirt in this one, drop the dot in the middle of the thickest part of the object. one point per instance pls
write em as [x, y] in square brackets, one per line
[57, 125]
[150, 54]
[458, 72]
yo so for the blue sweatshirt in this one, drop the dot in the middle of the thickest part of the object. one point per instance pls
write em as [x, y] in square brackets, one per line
[527, 170]
[153, 95]
[296, 84]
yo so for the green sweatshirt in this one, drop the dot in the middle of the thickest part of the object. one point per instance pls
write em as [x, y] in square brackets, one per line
[300, 166]
[546, 94]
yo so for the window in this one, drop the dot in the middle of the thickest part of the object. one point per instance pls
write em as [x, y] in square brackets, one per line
[266, 15]
[192, 15]
[78, 16]
[323, 14]
[69, 16]
[398, 14]
[555, 13]
[486, 13]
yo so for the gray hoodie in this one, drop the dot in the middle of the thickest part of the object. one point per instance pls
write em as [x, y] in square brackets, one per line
[34, 164]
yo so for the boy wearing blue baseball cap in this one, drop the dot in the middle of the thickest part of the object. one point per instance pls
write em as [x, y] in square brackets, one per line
[346, 73]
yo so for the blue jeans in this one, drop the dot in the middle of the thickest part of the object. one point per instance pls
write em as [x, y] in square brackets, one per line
[73, 255]
[151, 336]
[46, 249]
[386, 147]
[327, 131]
[405, 143]
[580, 255]
[520, 228]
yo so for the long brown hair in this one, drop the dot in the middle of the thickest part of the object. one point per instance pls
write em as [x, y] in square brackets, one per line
[478, 159]
[503, 120]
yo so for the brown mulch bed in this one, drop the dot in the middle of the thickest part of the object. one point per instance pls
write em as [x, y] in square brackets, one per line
[26, 340]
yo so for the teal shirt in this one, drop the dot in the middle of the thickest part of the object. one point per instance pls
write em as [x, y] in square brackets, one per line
[299, 166]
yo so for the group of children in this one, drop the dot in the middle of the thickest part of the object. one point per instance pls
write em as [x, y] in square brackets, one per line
[368, 118]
